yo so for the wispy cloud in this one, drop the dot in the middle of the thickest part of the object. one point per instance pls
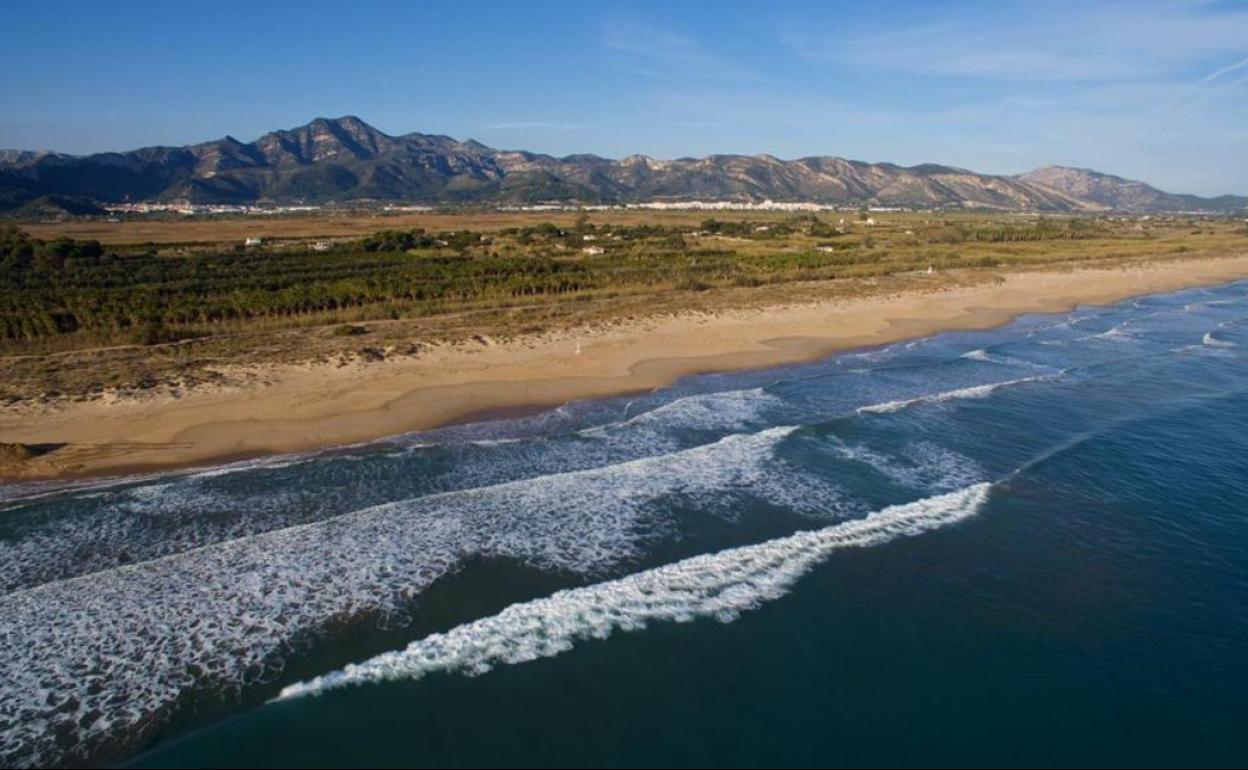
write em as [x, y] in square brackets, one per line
[1058, 42]
[1208, 87]
[1104, 126]
[1152, 89]
[665, 54]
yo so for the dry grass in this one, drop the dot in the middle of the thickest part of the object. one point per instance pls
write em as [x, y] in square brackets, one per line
[214, 231]
[892, 255]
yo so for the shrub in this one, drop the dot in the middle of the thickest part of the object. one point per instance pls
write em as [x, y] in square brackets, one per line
[692, 284]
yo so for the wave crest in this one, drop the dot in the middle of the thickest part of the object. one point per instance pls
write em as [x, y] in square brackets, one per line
[1216, 342]
[93, 657]
[975, 391]
[720, 585]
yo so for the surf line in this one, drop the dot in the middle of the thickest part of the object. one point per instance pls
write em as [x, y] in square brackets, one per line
[719, 585]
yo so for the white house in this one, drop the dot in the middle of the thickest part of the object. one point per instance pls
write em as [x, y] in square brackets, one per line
[254, 240]
[593, 250]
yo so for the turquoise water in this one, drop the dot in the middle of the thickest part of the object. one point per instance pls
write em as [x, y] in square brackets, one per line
[1025, 546]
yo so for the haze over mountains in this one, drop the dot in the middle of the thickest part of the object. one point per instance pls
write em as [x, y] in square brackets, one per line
[345, 159]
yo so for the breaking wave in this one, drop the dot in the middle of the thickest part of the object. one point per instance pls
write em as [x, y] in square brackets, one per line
[920, 465]
[125, 601]
[178, 513]
[986, 357]
[1216, 342]
[107, 654]
[720, 585]
[708, 411]
[1116, 334]
[975, 391]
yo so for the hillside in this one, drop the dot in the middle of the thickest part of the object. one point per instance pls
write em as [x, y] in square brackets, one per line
[346, 159]
[1118, 194]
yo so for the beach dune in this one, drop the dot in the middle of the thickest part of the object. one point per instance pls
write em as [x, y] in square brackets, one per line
[307, 407]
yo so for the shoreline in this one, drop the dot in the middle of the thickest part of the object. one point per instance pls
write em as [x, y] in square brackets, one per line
[318, 406]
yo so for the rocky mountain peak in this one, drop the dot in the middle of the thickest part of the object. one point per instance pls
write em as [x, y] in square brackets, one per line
[344, 158]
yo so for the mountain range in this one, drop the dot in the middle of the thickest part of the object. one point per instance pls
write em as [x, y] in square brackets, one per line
[347, 160]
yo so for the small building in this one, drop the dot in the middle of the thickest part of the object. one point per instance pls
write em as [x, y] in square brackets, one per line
[589, 237]
[321, 246]
[254, 240]
[593, 250]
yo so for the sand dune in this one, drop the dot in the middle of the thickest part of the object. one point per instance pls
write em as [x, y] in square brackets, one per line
[305, 407]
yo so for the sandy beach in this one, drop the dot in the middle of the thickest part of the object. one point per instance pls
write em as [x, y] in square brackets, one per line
[312, 406]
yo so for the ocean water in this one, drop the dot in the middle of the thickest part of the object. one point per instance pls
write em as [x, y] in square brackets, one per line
[1026, 546]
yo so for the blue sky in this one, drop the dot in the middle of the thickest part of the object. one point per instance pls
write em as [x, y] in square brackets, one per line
[1146, 89]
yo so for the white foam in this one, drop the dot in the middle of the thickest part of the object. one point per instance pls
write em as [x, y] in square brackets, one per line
[262, 463]
[179, 513]
[1189, 307]
[975, 391]
[720, 585]
[1116, 334]
[1215, 342]
[487, 442]
[921, 465]
[105, 656]
[995, 358]
[725, 410]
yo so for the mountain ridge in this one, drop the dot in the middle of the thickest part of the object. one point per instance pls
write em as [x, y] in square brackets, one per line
[1120, 193]
[346, 159]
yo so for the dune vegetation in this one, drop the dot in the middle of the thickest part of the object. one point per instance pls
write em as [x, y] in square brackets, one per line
[179, 304]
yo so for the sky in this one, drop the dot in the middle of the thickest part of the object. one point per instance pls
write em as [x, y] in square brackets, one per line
[1147, 89]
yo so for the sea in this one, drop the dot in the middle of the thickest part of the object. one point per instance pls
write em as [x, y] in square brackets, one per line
[1018, 547]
